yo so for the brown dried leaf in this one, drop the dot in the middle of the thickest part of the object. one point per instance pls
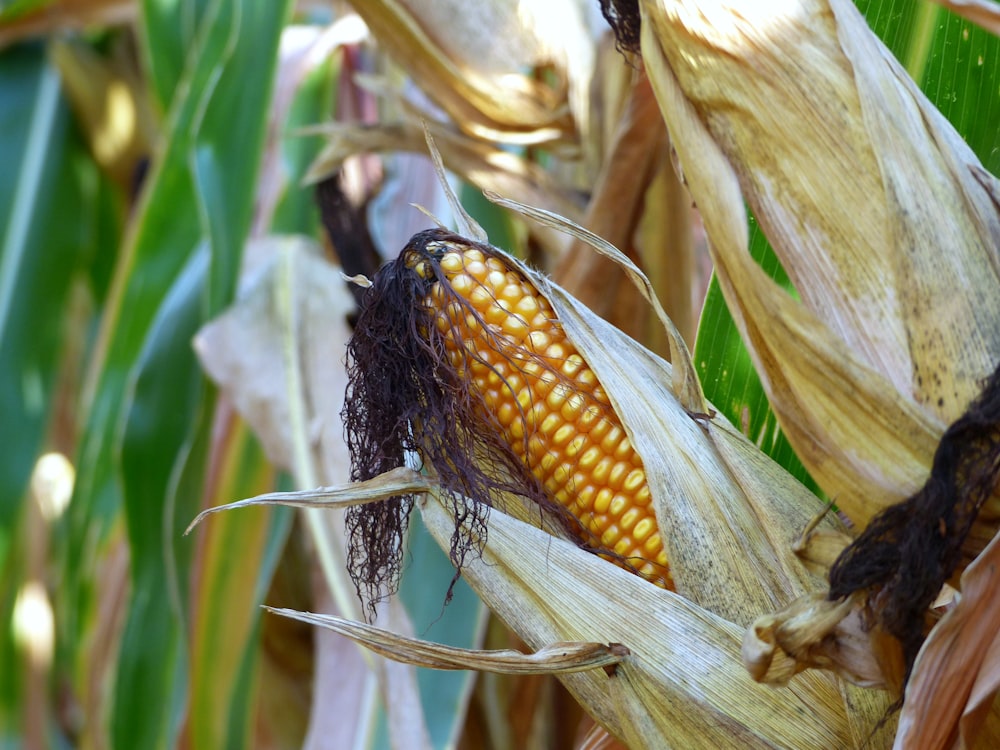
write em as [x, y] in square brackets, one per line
[555, 658]
[957, 674]
[395, 482]
[981, 12]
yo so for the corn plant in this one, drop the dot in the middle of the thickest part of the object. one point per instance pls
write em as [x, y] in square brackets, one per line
[668, 422]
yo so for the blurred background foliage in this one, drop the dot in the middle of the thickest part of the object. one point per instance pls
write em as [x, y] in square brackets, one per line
[163, 160]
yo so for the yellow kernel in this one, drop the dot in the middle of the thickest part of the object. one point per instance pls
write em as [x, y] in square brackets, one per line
[589, 458]
[546, 380]
[600, 472]
[618, 505]
[587, 380]
[481, 298]
[472, 254]
[610, 441]
[517, 430]
[507, 413]
[472, 324]
[496, 265]
[654, 546]
[603, 500]
[536, 447]
[561, 472]
[643, 496]
[624, 449]
[536, 340]
[544, 320]
[527, 307]
[497, 313]
[422, 269]
[515, 327]
[563, 434]
[532, 368]
[618, 474]
[575, 446]
[477, 269]
[512, 293]
[572, 407]
[558, 352]
[462, 284]
[629, 518]
[642, 530]
[572, 364]
[524, 399]
[611, 536]
[590, 418]
[635, 479]
[496, 279]
[557, 396]
[452, 263]
[584, 493]
[550, 423]
[624, 546]
[549, 461]
[601, 426]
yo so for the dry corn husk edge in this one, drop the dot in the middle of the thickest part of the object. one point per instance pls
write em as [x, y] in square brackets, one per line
[729, 517]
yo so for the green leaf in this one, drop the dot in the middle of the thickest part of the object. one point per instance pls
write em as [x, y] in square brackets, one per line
[239, 556]
[178, 268]
[43, 224]
[296, 212]
[51, 201]
[151, 667]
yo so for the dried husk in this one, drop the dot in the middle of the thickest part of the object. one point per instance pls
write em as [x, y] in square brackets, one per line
[682, 685]
[875, 207]
[957, 674]
[438, 50]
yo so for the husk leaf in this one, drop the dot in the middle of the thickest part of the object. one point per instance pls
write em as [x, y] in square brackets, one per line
[875, 208]
[957, 673]
[683, 678]
[556, 658]
[482, 100]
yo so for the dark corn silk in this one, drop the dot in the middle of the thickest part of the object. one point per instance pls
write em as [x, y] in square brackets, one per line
[472, 371]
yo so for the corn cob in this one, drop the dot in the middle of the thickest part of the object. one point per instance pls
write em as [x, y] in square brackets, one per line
[457, 358]
[540, 393]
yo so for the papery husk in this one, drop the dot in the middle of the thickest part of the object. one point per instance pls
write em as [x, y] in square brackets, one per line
[439, 50]
[682, 686]
[875, 207]
[950, 698]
